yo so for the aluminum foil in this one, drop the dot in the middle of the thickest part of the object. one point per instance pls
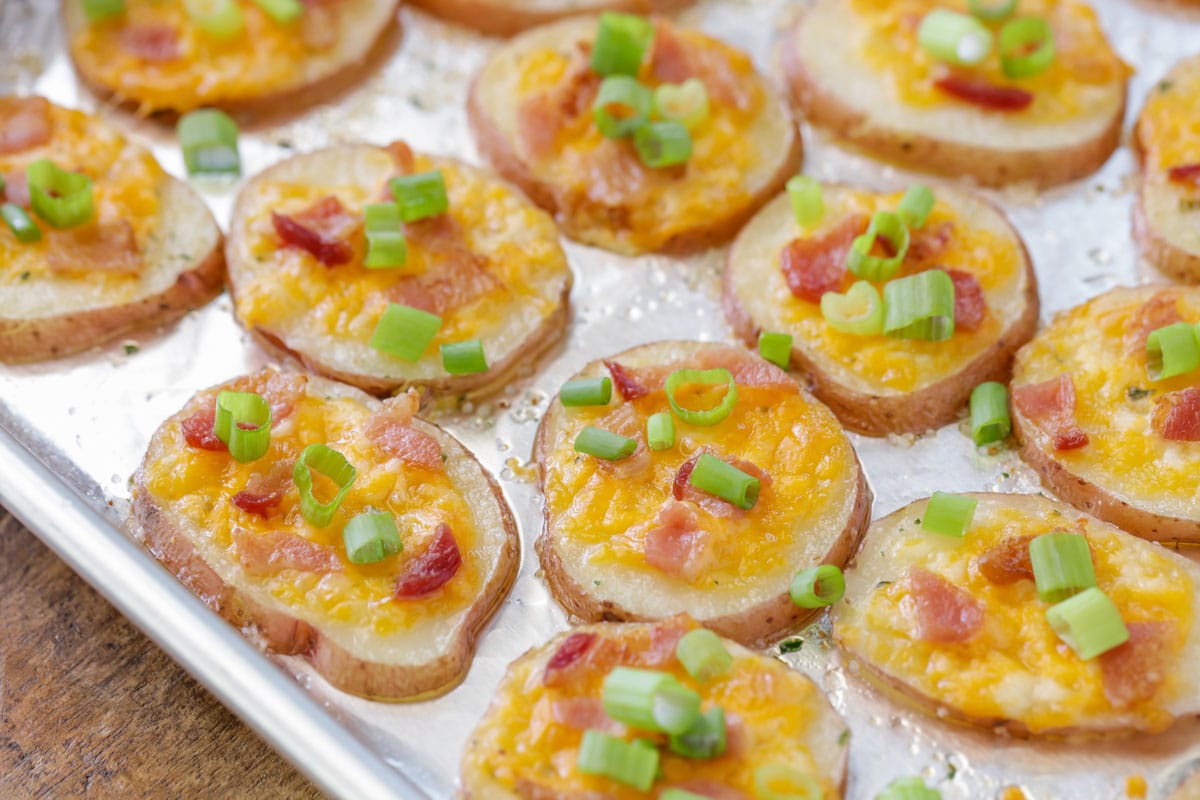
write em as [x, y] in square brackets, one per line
[91, 416]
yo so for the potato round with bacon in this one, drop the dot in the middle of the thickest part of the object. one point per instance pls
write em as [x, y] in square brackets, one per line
[779, 271]
[487, 270]
[980, 102]
[534, 107]
[128, 247]
[506, 17]
[386, 617]
[635, 537]
[959, 623]
[1100, 430]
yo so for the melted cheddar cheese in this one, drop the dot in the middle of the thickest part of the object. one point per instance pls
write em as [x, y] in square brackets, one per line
[1169, 126]
[1015, 667]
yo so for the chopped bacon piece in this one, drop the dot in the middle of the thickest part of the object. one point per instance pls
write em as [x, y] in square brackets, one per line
[430, 570]
[264, 490]
[151, 42]
[395, 436]
[16, 188]
[676, 544]
[682, 488]
[1133, 671]
[456, 274]
[748, 370]
[582, 713]
[25, 123]
[945, 613]
[282, 391]
[674, 59]
[664, 639]
[1008, 561]
[711, 789]
[969, 304]
[542, 116]
[1159, 311]
[617, 180]
[100, 247]
[1177, 415]
[813, 267]
[323, 230]
[198, 429]
[1051, 404]
[272, 552]
[627, 384]
[929, 242]
[568, 653]
[1185, 173]
[403, 157]
[984, 94]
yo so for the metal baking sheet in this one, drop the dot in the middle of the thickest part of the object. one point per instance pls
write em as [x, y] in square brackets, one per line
[73, 431]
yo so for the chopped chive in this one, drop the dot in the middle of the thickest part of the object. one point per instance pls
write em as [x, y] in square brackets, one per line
[386, 245]
[989, 413]
[1062, 565]
[371, 537]
[807, 199]
[1089, 623]
[622, 107]
[464, 358]
[704, 377]
[1172, 350]
[405, 332]
[243, 423]
[333, 465]
[919, 306]
[421, 195]
[776, 348]
[621, 44]
[818, 587]
[20, 223]
[62, 198]
[916, 205]
[859, 311]
[1026, 47]
[610, 757]
[604, 444]
[889, 227]
[954, 38]
[660, 431]
[209, 138]
[705, 739]
[949, 514]
[586, 392]
[703, 654]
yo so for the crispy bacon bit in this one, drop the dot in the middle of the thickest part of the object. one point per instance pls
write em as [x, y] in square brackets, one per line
[682, 488]
[627, 385]
[1177, 415]
[617, 180]
[1051, 404]
[984, 94]
[395, 436]
[676, 544]
[1008, 561]
[969, 304]
[430, 570]
[1185, 173]
[456, 275]
[16, 188]
[813, 267]
[25, 123]
[711, 789]
[324, 230]
[747, 370]
[582, 713]
[543, 115]
[929, 242]
[402, 156]
[1133, 671]
[674, 59]
[568, 653]
[198, 430]
[282, 391]
[664, 639]
[264, 490]
[945, 613]
[100, 247]
[1159, 311]
[156, 43]
[272, 552]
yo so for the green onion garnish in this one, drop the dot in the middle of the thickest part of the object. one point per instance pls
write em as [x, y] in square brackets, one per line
[705, 377]
[1062, 565]
[604, 444]
[663, 144]
[610, 757]
[371, 537]
[660, 431]
[282, 11]
[1172, 350]
[586, 392]
[703, 654]
[681, 794]
[807, 199]
[916, 205]
[1089, 623]
[989, 413]
[209, 138]
[859, 311]
[333, 465]
[885, 225]
[62, 198]
[24, 228]
[464, 358]
[705, 739]
[243, 423]
[221, 19]
[421, 195]
[949, 514]
[386, 245]
[992, 10]
[908, 788]
[1026, 47]
[621, 43]
[100, 10]
[919, 306]
[685, 103]
[818, 587]
[622, 106]
[776, 348]
[781, 782]
[405, 332]
[725, 481]
[954, 38]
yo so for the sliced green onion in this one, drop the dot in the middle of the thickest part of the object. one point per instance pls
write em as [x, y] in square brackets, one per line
[1062, 565]
[992, 11]
[663, 144]
[24, 228]
[885, 225]
[660, 431]
[209, 138]
[621, 44]
[703, 654]
[908, 788]
[386, 245]
[916, 205]
[586, 392]
[622, 107]
[621, 761]
[405, 332]
[333, 465]
[989, 413]
[1026, 47]
[685, 103]
[705, 377]
[371, 537]
[604, 444]
[705, 739]
[243, 423]
[100, 10]
[421, 195]
[464, 358]
[1172, 350]
[919, 306]
[818, 587]
[62, 198]
[954, 38]
[725, 481]
[676, 708]
[776, 348]
[282, 11]
[3, 184]
[221, 19]
[781, 782]
[807, 199]
[949, 514]
[1089, 623]
[859, 311]
[681, 794]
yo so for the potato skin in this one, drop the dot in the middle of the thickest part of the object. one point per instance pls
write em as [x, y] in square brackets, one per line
[498, 18]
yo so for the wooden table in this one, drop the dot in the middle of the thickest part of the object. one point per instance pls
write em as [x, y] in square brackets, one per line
[89, 707]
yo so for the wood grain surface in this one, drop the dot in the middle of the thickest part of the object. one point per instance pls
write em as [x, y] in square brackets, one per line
[89, 707]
